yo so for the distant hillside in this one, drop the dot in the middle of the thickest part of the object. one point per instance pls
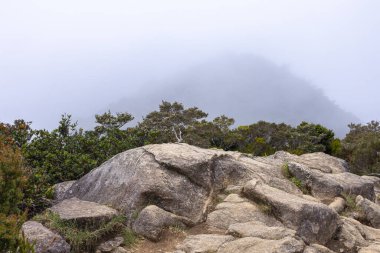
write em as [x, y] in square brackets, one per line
[246, 88]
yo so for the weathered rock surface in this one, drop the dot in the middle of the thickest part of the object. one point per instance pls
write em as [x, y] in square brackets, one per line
[257, 245]
[61, 189]
[83, 211]
[338, 204]
[179, 178]
[203, 243]
[316, 248]
[111, 245]
[152, 220]
[371, 210]
[260, 210]
[317, 161]
[260, 230]
[328, 186]
[235, 209]
[374, 248]
[314, 222]
[45, 240]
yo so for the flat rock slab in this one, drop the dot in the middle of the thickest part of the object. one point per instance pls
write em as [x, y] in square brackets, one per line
[260, 230]
[235, 209]
[203, 243]
[258, 245]
[313, 221]
[45, 240]
[80, 210]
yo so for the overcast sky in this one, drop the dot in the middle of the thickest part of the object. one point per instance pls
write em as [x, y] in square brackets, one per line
[79, 56]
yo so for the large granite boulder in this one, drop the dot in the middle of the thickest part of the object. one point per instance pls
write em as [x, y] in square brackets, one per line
[178, 178]
[45, 241]
[313, 221]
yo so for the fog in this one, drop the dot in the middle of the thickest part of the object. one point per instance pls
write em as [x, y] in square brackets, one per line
[85, 57]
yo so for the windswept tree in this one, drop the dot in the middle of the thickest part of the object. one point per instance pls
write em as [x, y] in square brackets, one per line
[170, 123]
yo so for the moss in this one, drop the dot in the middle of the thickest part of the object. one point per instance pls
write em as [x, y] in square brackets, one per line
[81, 237]
[296, 181]
[285, 170]
[265, 208]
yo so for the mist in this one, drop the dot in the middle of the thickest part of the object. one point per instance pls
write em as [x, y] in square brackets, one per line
[281, 60]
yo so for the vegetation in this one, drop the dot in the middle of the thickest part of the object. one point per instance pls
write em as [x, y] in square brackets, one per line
[361, 148]
[84, 237]
[13, 180]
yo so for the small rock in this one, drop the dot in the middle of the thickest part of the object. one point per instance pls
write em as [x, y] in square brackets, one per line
[45, 240]
[153, 220]
[371, 210]
[110, 245]
[60, 189]
[338, 204]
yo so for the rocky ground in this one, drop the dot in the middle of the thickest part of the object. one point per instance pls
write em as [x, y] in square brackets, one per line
[184, 199]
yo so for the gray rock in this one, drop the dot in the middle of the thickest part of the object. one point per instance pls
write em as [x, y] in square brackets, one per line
[316, 248]
[355, 185]
[349, 238]
[203, 243]
[83, 211]
[321, 184]
[260, 230]
[338, 204]
[327, 186]
[317, 161]
[152, 220]
[235, 209]
[110, 245]
[373, 248]
[45, 240]
[60, 190]
[120, 250]
[314, 222]
[258, 245]
[179, 178]
[371, 210]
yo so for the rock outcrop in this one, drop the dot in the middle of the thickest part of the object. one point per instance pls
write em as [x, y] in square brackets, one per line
[246, 204]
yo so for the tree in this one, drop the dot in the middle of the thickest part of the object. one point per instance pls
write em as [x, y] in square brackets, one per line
[170, 123]
[361, 148]
[107, 121]
[13, 180]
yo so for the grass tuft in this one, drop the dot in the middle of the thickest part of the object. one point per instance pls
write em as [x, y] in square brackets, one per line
[81, 237]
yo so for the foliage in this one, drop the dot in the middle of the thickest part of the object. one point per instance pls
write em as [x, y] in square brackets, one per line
[13, 180]
[82, 237]
[170, 123]
[130, 238]
[361, 148]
